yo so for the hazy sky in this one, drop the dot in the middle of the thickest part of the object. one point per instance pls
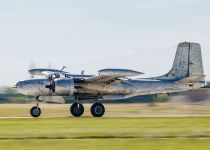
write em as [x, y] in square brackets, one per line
[94, 34]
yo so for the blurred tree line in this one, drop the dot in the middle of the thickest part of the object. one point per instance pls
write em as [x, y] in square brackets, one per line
[208, 85]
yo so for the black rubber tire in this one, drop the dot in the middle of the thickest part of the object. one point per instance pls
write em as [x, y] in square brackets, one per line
[35, 112]
[97, 110]
[77, 109]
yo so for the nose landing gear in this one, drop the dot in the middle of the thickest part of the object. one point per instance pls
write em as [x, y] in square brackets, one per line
[36, 111]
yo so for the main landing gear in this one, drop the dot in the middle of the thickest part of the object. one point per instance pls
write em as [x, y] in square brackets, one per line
[36, 111]
[77, 109]
[97, 109]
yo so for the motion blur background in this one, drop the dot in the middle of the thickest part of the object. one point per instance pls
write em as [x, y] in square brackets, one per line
[91, 35]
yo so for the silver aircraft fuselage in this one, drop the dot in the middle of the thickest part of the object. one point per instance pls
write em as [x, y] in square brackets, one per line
[119, 89]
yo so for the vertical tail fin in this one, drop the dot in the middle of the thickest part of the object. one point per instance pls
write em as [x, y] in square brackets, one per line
[188, 63]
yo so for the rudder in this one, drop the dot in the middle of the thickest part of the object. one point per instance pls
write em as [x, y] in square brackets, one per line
[187, 63]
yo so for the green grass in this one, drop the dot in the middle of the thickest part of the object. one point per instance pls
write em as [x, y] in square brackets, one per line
[82, 128]
[134, 126]
[105, 144]
[105, 133]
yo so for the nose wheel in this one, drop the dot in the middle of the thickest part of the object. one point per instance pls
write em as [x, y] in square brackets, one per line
[35, 112]
[77, 109]
[97, 110]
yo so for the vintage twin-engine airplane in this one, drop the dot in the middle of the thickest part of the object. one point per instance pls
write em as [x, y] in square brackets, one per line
[186, 74]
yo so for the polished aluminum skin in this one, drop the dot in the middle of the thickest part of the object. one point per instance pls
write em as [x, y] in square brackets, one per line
[186, 74]
[119, 72]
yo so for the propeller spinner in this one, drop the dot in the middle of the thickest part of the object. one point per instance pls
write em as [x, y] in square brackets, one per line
[51, 86]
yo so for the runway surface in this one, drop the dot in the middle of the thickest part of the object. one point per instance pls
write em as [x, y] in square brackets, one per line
[112, 110]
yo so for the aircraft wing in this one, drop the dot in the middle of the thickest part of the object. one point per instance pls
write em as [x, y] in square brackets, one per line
[48, 72]
[110, 75]
[102, 79]
[57, 73]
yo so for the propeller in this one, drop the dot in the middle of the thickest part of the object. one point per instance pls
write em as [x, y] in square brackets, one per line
[32, 65]
[51, 86]
[82, 72]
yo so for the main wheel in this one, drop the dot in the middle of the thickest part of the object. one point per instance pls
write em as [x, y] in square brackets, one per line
[35, 111]
[77, 109]
[97, 110]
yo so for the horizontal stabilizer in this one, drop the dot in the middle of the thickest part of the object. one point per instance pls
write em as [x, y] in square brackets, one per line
[192, 79]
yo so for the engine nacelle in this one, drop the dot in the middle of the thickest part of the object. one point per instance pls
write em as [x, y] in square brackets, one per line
[43, 87]
[64, 87]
